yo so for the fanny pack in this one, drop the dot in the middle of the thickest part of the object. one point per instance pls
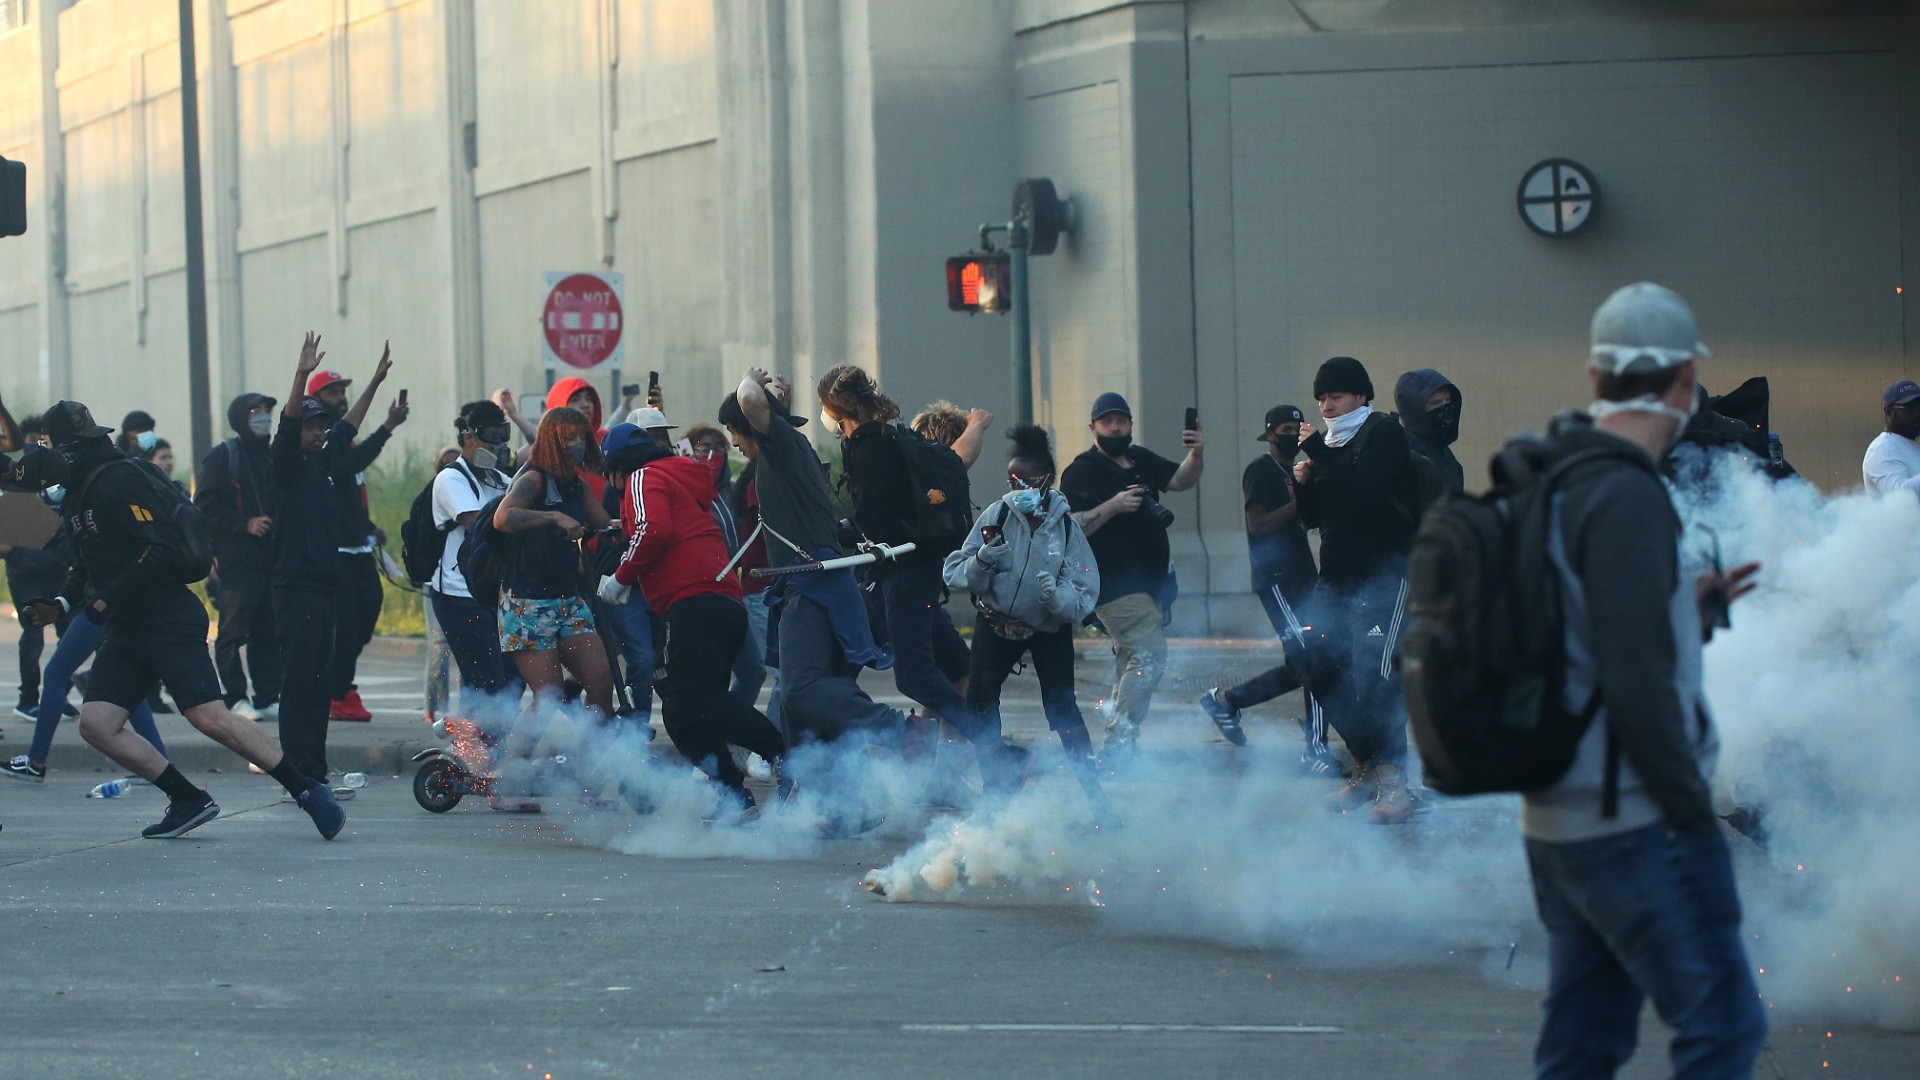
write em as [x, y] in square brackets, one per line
[1007, 627]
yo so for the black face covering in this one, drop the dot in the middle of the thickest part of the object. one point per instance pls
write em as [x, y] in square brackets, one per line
[1446, 422]
[1113, 445]
[1285, 445]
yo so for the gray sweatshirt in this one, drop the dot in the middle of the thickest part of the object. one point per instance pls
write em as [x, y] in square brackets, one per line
[1632, 630]
[1004, 579]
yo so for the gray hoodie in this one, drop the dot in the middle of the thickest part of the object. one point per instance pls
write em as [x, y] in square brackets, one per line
[1005, 581]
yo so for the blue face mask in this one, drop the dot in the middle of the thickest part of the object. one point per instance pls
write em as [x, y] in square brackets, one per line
[1027, 500]
[578, 451]
[146, 441]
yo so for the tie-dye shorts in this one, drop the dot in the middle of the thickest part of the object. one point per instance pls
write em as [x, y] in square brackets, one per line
[538, 625]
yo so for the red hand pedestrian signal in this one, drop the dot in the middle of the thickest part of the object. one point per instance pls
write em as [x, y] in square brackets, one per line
[977, 282]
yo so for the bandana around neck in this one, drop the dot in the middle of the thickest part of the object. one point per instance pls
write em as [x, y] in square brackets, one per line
[1342, 429]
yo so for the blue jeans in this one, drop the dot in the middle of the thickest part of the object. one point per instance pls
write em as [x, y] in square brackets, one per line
[82, 640]
[1644, 914]
[757, 636]
[633, 626]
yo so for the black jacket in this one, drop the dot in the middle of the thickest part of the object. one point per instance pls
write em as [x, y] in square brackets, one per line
[1410, 396]
[883, 503]
[306, 510]
[1361, 496]
[351, 460]
[235, 485]
[122, 565]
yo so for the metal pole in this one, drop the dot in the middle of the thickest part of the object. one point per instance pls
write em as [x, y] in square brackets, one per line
[1022, 334]
[199, 387]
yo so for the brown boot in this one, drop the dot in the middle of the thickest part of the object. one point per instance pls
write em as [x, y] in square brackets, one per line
[1391, 804]
[1358, 792]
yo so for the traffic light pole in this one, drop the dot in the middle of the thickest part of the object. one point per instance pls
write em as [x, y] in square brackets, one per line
[199, 379]
[1017, 243]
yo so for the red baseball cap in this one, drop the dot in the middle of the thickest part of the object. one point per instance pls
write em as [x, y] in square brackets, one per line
[322, 379]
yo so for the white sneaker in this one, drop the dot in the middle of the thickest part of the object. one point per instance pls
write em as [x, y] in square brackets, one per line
[244, 711]
[758, 770]
[342, 793]
[268, 714]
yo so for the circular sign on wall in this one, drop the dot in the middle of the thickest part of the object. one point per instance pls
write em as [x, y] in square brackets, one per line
[582, 319]
[1557, 197]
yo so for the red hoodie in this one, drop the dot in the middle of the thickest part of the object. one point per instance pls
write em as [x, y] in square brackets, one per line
[675, 548]
[557, 397]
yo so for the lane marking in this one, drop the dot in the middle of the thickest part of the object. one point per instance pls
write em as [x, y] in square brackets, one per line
[1123, 1029]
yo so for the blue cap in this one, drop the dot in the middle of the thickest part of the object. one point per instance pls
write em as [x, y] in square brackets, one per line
[311, 407]
[1110, 402]
[1901, 392]
[621, 436]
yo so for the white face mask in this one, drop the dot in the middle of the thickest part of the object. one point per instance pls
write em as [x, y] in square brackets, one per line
[832, 425]
[1341, 429]
[1647, 403]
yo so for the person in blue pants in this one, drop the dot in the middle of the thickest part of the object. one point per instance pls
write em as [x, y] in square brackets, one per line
[82, 640]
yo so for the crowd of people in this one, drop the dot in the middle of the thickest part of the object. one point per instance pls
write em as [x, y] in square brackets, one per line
[600, 564]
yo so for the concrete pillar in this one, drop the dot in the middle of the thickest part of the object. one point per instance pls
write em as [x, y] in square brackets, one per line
[220, 143]
[56, 359]
[458, 222]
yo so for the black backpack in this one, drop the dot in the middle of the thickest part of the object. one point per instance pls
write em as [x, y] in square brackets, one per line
[183, 528]
[483, 557]
[943, 512]
[1482, 658]
[423, 543]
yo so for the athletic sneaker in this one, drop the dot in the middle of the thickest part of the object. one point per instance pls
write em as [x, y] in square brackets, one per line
[733, 808]
[341, 793]
[27, 712]
[1224, 716]
[319, 804]
[349, 708]
[21, 769]
[183, 818]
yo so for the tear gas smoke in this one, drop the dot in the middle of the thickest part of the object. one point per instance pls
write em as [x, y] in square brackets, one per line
[1817, 696]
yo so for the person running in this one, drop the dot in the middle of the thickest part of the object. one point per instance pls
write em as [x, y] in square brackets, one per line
[1034, 579]
[1283, 578]
[131, 576]
[471, 628]
[820, 635]
[929, 656]
[545, 625]
[1114, 487]
[675, 551]
[1631, 874]
[1358, 486]
[76, 646]
[234, 493]
[707, 444]
[635, 627]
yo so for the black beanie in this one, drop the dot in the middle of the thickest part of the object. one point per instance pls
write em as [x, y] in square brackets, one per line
[1342, 375]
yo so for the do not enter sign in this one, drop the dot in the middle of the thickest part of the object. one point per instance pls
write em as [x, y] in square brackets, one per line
[582, 319]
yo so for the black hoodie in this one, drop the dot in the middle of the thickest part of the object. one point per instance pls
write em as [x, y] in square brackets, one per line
[1410, 396]
[236, 485]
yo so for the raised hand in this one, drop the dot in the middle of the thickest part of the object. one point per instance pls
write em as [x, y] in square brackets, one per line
[979, 418]
[503, 397]
[310, 354]
[386, 361]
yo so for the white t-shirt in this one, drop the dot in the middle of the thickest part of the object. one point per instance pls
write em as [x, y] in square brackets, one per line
[1892, 465]
[454, 493]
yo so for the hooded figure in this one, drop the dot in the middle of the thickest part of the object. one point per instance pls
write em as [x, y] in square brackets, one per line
[235, 486]
[563, 391]
[1431, 429]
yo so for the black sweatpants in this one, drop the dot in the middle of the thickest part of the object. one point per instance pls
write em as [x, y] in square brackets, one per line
[696, 658]
[1354, 669]
[356, 611]
[304, 618]
[922, 637]
[246, 621]
[490, 686]
[994, 658]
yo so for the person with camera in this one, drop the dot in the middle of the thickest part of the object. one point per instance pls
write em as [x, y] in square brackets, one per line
[1114, 490]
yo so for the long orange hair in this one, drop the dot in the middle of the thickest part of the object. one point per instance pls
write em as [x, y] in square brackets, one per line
[558, 428]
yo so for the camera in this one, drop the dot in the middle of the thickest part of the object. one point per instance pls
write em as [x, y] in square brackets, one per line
[1151, 506]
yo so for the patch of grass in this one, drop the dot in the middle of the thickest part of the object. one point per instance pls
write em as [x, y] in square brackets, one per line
[392, 484]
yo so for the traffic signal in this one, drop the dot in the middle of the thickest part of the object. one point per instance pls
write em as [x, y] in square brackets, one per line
[980, 282]
[13, 198]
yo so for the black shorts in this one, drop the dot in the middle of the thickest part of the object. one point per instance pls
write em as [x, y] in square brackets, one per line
[165, 643]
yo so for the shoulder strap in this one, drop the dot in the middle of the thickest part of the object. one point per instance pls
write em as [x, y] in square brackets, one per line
[472, 482]
[80, 497]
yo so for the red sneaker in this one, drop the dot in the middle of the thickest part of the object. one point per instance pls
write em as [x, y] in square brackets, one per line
[349, 708]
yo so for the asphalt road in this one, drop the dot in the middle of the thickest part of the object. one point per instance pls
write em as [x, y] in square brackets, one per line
[477, 944]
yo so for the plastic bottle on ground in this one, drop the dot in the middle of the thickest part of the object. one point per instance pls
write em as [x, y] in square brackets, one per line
[113, 789]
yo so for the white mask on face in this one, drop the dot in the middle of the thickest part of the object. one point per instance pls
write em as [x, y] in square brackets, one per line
[1341, 429]
[1647, 403]
[832, 425]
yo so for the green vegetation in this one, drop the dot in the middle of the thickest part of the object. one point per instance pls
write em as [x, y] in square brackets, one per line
[391, 485]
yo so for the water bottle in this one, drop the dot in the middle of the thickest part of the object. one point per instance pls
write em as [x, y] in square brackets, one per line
[113, 789]
[1776, 454]
[354, 780]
